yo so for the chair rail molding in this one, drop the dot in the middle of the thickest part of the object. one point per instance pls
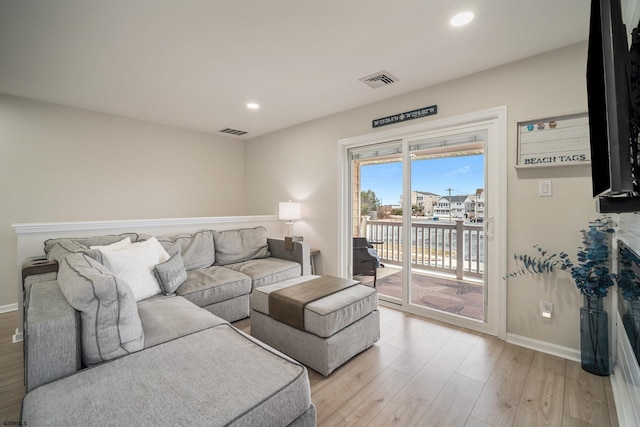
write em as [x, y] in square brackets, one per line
[51, 227]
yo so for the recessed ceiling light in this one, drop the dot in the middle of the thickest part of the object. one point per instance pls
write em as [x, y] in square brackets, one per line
[253, 106]
[462, 19]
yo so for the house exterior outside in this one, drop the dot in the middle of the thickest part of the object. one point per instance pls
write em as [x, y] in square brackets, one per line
[425, 201]
[464, 206]
[454, 206]
[476, 212]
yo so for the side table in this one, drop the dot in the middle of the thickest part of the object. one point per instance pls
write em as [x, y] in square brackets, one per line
[313, 253]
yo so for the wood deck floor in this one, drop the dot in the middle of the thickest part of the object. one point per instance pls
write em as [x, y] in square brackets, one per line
[420, 373]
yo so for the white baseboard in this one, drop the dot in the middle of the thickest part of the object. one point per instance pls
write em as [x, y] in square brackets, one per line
[8, 308]
[545, 347]
[17, 337]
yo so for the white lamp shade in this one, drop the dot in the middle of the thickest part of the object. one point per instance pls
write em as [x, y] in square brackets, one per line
[289, 211]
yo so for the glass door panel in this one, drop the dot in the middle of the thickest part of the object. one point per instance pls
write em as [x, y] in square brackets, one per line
[376, 218]
[447, 190]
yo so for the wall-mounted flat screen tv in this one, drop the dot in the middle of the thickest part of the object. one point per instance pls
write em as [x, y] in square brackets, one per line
[608, 100]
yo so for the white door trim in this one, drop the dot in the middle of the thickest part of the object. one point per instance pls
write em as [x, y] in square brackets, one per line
[497, 180]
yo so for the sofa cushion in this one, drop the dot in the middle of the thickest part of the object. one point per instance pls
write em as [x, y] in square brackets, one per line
[167, 318]
[208, 286]
[171, 274]
[135, 265]
[110, 325]
[266, 271]
[58, 249]
[216, 377]
[240, 245]
[196, 249]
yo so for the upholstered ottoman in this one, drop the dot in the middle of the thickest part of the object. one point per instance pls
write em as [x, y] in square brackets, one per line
[333, 330]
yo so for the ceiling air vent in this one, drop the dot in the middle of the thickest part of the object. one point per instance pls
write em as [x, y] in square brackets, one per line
[233, 131]
[379, 79]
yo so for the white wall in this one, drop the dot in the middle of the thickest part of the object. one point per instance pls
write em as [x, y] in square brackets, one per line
[66, 164]
[300, 163]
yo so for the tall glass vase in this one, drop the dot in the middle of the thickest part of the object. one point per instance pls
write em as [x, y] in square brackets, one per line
[594, 336]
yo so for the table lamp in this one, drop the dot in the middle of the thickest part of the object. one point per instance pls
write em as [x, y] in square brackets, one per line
[289, 211]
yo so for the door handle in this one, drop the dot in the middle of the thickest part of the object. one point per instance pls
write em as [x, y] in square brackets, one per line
[489, 226]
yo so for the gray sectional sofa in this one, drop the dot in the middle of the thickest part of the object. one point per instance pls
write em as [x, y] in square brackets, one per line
[106, 344]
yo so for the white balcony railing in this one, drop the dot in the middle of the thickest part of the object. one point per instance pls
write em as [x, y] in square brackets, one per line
[434, 245]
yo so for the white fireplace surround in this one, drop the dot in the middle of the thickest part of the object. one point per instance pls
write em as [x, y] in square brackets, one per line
[625, 375]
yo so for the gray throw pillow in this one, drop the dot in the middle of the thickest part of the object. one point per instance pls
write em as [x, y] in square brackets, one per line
[109, 321]
[240, 245]
[196, 249]
[171, 274]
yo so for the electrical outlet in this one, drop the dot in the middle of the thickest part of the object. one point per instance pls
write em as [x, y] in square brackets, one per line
[546, 309]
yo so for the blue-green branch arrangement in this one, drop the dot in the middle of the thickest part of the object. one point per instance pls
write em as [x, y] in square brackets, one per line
[591, 271]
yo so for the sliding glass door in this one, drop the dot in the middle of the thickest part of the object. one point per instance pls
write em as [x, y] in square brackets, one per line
[424, 206]
[447, 189]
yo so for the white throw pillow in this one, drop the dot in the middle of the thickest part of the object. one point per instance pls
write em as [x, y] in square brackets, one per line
[135, 263]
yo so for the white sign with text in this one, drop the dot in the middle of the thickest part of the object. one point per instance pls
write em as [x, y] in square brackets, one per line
[555, 141]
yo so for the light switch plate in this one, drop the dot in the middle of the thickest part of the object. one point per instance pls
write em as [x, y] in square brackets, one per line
[544, 189]
[546, 309]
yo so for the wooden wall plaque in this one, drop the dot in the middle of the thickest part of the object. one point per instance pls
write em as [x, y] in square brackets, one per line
[553, 141]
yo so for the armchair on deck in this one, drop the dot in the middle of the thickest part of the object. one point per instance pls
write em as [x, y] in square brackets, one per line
[365, 259]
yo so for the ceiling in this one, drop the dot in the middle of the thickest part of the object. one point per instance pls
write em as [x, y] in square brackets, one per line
[196, 63]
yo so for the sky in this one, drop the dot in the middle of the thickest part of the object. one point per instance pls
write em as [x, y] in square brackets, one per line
[463, 174]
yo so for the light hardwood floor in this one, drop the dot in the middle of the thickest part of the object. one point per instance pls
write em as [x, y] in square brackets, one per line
[420, 373]
[11, 370]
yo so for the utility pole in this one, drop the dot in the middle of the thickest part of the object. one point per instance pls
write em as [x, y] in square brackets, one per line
[450, 203]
